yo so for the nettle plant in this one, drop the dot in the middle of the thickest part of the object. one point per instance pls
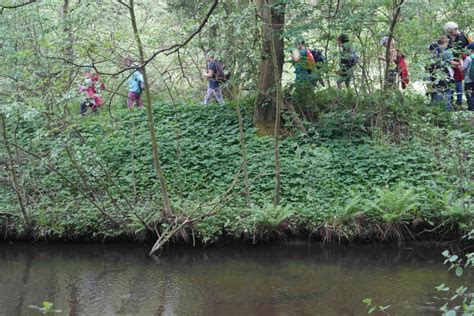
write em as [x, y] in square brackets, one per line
[462, 298]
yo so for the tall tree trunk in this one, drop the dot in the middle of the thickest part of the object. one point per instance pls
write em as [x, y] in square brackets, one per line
[276, 132]
[272, 13]
[69, 41]
[397, 5]
[68, 50]
[151, 127]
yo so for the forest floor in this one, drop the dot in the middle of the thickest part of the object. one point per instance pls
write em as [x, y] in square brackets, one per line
[390, 174]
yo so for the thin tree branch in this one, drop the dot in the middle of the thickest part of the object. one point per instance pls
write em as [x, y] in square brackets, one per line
[15, 6]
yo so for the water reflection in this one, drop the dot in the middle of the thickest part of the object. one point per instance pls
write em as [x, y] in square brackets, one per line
[284, 280]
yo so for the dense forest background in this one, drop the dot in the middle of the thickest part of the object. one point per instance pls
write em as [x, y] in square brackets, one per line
[362, 163]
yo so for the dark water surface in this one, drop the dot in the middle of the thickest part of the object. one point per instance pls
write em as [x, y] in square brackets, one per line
[283, 280]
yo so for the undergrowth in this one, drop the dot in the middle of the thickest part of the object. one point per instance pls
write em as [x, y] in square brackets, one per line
[365, 170]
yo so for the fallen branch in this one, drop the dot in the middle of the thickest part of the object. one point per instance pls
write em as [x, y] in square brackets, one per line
[181, 221]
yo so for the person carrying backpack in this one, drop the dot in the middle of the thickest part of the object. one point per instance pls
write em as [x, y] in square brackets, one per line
[304, 63]
[348, 61]
[215, 76]
[444, 81]
[399, 70]
[458, 41]
[468, 68]
[136, 85]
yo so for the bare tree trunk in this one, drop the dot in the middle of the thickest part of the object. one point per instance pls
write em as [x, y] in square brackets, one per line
[151, 127]
[69, 42]
[243, 150]
[276, 48]
[397, 5]
[68, 50]
[11, 165]
[272, 13]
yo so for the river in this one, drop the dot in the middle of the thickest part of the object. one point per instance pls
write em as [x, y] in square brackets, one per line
[121, 279]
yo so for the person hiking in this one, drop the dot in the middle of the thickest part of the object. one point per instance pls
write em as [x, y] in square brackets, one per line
[444, 82]
[91, 87]
[458, 42]
[136, 85]
[214, 86]
[398, 69]
[468, 68]
[304, 63]
[348, 60]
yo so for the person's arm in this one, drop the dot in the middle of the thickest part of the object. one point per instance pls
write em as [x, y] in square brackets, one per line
[450, 59]
[454, 63]
[296, 56]
[210, 73]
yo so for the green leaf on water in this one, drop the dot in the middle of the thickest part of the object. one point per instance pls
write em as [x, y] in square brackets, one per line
[383, 308]
[451, 313]
[459, 271]
[442, 287]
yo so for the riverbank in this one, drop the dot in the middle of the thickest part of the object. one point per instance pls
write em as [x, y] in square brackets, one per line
[392, 174]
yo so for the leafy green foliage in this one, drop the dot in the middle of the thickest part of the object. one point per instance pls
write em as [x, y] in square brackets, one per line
[339, 185]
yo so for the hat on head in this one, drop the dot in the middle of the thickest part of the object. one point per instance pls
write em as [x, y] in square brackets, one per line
[384, 40]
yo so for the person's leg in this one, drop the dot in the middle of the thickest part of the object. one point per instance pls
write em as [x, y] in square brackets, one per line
[83, 107]
[448, 98]
[131, 99]
[341, 76]
[436, 95]
[349, 75]
[218, 95]
[392, 78]
[348, 82]
[459, 92]
[469, 87]
[208, 95]
[138, 100]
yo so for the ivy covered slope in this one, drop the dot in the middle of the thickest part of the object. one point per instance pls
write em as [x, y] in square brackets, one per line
[347, 178]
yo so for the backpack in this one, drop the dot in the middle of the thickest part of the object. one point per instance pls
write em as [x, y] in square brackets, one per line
[354, 59]
[467, 38]
[318, 56]
[310, 60]
[221, 75]
[141, 84]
